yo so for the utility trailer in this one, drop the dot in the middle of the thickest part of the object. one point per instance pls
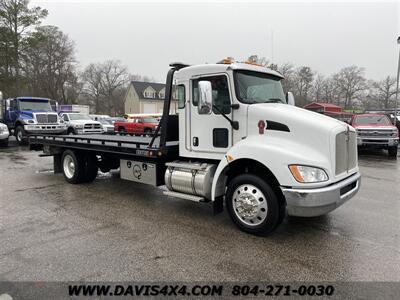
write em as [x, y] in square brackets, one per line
[236, 140]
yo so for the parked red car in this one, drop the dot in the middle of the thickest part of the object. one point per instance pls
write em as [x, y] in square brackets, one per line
[136, 125]
[376, 130]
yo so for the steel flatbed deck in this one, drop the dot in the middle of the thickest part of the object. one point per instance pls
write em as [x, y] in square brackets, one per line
[138, 146]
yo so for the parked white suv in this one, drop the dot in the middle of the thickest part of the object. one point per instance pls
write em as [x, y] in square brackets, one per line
[78, 123]
[4, 134]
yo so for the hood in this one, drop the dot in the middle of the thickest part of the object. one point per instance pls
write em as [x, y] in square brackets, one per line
[28, 114]
[295, 118]
[83, 122]
[368, 126]
[297, 125]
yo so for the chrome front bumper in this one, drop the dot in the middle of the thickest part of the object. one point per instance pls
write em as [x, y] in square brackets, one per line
[320, 201]
[389, 141]
[88, 131]
[4, 135]
[45, 128]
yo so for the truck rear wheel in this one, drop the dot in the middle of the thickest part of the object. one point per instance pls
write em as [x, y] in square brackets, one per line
[73, 167]
[20, 135]
[393, 152]
[253, 205]
[91, 168]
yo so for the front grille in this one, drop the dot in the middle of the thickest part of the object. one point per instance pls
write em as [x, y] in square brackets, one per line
[46, 118]
[377, 133]
[346, 152]
[92, 126]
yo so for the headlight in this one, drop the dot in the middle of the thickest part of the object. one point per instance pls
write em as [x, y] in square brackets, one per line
[78, 126]
[306, 174]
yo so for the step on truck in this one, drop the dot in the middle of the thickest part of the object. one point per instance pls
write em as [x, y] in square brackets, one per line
[30, 115]
[237, 142]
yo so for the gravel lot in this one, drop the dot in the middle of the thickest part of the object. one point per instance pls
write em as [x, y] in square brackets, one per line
[116, 230]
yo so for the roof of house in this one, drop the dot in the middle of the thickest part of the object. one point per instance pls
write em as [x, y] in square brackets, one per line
[141, 86]
[321, 104]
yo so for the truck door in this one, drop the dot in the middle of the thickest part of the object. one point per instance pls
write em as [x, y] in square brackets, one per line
[12, 113]
[211, 133]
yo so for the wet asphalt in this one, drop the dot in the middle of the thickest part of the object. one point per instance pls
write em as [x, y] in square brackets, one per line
[116, 230]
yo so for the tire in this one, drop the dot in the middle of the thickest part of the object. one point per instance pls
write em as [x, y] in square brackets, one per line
[20, 135]
[148, 132]
[71, 131]
[4, 143]
[91, 168]
[393, 152]
[257, 209]
[121, 131]
[72, 164]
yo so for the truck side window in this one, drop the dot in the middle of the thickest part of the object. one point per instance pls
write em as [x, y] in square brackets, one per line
[65, 117]
[220, 91]
[181, 96]
[14, 105]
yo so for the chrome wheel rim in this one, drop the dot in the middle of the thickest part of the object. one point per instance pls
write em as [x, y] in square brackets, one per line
[19, 135]
[69, 166]
[250, 205]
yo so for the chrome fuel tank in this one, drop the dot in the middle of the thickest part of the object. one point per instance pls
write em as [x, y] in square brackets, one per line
[192, 178]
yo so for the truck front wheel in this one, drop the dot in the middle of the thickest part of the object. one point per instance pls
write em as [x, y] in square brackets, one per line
[393, 152]
[20, 135]
[253, 205]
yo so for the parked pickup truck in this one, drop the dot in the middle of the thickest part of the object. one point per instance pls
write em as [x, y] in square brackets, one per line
[30, 115]
[136, 125]
[236, 139]
[78, 123]
[376, 130]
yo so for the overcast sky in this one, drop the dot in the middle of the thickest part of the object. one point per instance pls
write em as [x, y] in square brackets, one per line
[147, 36]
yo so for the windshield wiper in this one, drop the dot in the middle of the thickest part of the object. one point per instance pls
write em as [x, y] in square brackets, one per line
[275, 100]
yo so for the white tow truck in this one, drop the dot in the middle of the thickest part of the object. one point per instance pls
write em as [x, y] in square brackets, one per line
[237, 139]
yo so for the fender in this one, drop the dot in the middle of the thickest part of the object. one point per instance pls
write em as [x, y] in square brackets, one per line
[276, 154]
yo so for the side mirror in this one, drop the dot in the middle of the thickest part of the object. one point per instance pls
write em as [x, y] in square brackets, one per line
[290, 98]
[205, 98]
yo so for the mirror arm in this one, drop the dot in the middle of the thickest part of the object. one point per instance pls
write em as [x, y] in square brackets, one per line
[234, 124]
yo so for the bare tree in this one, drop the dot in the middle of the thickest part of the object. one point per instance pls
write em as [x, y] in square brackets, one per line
[115, 76]
[351, 83]
[317, 88]
[287, 70]
[303, 78]
[329, 91]
[384, 91]
[104, 85]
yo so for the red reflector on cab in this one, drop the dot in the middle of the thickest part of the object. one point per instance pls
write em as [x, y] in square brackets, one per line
[261, 127]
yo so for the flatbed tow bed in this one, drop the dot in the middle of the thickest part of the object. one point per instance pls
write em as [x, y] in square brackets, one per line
[136, 146]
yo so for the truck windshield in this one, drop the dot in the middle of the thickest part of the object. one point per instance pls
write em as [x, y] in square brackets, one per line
[150, 120]
[34, 105]
[378, 120]
[255, 87]
[73, 117]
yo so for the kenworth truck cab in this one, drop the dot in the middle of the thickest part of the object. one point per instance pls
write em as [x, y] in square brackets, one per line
[236, 140]
[30, 115]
